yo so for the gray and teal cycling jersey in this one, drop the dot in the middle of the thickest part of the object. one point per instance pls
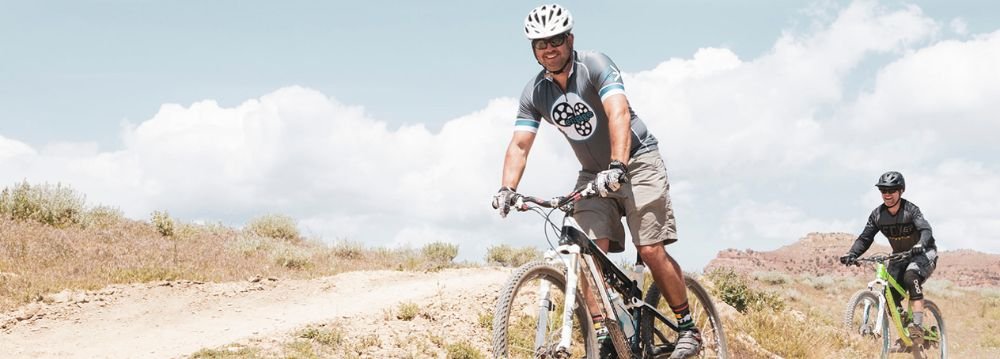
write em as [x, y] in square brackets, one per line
[579, 112]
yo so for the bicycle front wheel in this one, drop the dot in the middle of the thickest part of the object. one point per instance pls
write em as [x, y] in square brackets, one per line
[656, 335]
[861, 321]
[527, 319]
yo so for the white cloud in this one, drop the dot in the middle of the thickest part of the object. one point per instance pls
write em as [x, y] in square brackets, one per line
[760, 151]
[12, 148]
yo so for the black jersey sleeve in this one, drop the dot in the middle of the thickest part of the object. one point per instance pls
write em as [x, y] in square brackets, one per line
[867, 235]
[926, 236]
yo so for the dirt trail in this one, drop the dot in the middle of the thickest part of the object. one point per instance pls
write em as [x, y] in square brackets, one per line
[174, 319]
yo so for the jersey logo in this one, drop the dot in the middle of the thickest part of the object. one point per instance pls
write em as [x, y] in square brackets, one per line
[575, 118]
[615, 74]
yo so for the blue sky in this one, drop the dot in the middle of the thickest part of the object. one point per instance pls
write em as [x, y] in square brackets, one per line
[776, 116]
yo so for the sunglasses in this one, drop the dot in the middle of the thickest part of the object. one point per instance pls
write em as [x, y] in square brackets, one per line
[554, 41]
[888, 190]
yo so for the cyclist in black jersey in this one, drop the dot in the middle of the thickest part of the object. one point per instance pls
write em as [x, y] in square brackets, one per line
[902, 223]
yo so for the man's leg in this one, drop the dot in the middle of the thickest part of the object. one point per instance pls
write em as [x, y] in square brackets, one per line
[670, 279]
[911, 280]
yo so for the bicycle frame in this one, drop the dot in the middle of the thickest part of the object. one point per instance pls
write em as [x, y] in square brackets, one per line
[573, 256]
[885, 283]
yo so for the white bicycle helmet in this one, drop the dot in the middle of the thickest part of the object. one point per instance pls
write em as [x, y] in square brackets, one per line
[546, 21]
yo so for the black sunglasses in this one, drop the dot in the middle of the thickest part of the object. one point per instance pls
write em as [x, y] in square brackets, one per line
[554, 41]
[888, 190]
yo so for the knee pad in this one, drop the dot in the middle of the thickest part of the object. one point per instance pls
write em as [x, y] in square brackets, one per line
[911, 281]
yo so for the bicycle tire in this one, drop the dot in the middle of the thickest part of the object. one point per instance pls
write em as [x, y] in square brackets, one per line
[934, 321]
[508, 342]
[704, 314]
[865, 328]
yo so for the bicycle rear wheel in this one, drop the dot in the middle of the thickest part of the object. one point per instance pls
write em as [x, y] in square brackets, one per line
[527, 322]
[860, 321]
[655, 334]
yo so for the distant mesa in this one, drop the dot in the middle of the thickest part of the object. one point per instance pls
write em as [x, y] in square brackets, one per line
[818, 253]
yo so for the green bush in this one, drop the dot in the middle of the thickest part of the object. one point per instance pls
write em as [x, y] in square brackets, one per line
[102, 217]
[508, 256]
[332, 337]
[408, 311]
[440, 252]
[274, 226]
[54, 205]
[292, 257]
[463, 350]
[734, 289]
[164, 224]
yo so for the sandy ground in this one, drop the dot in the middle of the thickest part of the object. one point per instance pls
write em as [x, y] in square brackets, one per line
[175, 319]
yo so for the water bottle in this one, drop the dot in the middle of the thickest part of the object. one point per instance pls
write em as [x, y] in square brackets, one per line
[624, 318]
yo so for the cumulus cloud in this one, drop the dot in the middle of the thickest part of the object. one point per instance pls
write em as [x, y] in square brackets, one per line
[760, 151]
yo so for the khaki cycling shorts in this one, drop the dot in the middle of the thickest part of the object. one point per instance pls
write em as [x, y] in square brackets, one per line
[644, 202]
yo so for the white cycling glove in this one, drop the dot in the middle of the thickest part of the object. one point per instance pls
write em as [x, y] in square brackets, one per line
[611, 179]
[503, 200]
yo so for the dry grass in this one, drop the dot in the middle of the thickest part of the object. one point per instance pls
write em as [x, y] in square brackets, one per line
[809, 325]
[38, 258]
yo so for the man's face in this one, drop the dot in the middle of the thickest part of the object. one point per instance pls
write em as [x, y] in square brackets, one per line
[890, 195]
[553, 52]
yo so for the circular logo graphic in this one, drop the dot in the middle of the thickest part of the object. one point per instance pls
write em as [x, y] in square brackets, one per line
[575, 118]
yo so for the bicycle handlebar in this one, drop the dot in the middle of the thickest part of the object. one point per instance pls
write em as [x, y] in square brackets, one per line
[879, 258]
[586, 191]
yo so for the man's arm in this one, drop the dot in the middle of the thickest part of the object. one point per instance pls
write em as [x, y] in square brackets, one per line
[867, 236]
[923, 227]
[619, 126]
[516, 158]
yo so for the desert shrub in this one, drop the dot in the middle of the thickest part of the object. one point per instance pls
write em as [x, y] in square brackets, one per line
[734, 289]
[773, 278]
[250, 245]
[274, 226]
[354, 250]
[54, 205]
[440, 252]
[463, 350]
[408, 311]
[329, 337]
[226, 353]
[486, 320]
[292, 257]
[163, 223]
[102, 217]
[508, 256]
[818, 282]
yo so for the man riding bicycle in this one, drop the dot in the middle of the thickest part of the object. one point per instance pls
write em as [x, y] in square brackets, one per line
[583, 95]
[902, 223]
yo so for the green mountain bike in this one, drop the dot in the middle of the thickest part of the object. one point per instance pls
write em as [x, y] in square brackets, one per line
[872, 314]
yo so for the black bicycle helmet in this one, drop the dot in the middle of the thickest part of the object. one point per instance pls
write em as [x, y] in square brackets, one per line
[891, 179]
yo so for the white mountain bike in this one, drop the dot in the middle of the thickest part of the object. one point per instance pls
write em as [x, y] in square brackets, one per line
[540, 314]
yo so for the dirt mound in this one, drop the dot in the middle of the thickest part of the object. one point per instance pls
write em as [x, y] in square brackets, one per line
[818, 253]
